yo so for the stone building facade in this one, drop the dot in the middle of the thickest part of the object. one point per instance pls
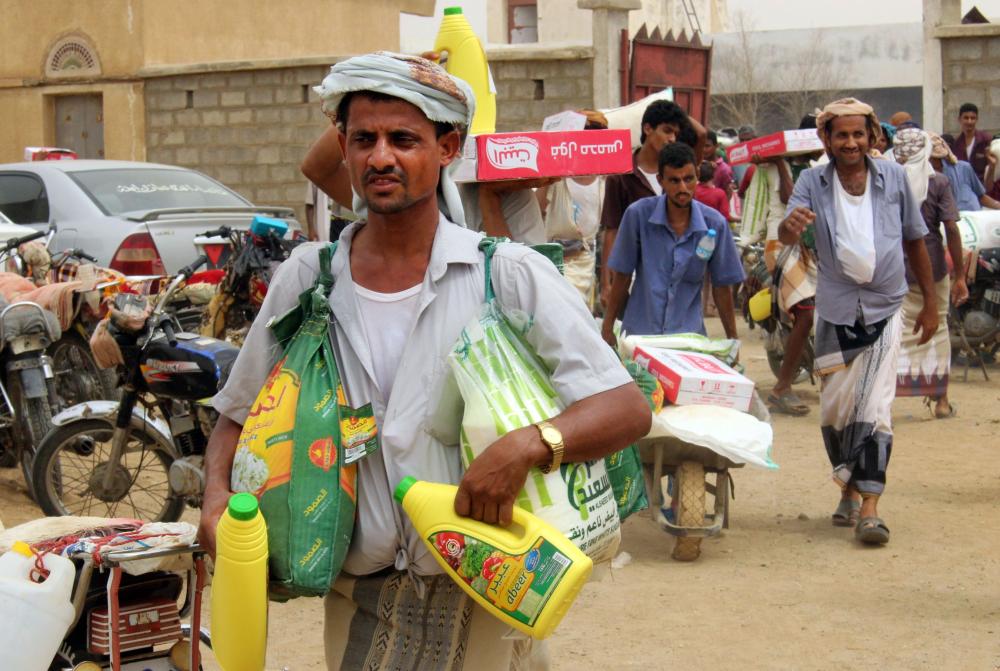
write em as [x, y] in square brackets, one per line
[970, 64]
[248, 129]
[533, 83]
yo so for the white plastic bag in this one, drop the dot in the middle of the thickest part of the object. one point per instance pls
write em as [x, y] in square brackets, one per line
[560, 215]
[733, 434]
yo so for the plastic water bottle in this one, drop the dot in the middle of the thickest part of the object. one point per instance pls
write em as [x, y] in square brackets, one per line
[706, 246]
[526, 575]
[34, 616]
[239, 587]
[467, 61]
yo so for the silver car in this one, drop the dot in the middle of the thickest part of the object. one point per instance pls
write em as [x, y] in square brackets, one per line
[137, 218]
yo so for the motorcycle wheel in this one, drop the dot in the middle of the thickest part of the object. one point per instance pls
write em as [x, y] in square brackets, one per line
[72, 460]
[32, 420]
[690, 483]
[8, 456]
[77, 375]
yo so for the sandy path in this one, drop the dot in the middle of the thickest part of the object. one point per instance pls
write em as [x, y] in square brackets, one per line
[782, 588]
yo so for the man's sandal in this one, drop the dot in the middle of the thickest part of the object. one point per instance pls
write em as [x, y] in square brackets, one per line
[788, 404]
[872, 530]
[847, 513]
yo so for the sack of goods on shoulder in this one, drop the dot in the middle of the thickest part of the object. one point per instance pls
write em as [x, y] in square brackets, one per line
[505, 386]
[292, 450]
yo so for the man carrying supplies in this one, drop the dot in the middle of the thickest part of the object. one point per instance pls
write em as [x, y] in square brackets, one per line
[406, 282]
[659, 241]
[865, 215]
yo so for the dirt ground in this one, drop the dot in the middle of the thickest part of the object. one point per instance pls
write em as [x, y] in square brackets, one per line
[782, 588]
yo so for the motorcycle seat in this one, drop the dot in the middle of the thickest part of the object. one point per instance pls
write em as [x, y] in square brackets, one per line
[27, 318]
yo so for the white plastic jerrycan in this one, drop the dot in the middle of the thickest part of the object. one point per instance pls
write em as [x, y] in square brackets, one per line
[34, 617]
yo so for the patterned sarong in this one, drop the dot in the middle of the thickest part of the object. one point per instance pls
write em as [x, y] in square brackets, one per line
[858, 365]
[923, 369]
[794, 270]
[380, 622]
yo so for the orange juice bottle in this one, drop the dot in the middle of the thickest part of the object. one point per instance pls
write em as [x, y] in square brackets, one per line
[527, 575]
[467, 60]
[239, 587]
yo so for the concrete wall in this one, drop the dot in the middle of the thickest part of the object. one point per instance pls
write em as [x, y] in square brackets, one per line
[971, 73]
[28, 118]
[250, 130]
[533, 83]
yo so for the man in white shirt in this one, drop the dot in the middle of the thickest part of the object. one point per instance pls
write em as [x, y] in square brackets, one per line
[406, 282]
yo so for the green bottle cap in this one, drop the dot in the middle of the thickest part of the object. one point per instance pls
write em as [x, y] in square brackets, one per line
[403, 487]
[243, 506]
[451, 11]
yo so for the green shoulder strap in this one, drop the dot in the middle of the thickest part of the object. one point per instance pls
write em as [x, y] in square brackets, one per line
[287, 325]
[553, 251]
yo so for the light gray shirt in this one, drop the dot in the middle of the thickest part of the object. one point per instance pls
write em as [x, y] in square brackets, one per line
[897, 218]
[419, 422]
[521, 212]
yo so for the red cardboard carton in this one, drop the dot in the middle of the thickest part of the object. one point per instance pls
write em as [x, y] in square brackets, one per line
[784, 143]
[692, 378]
[499, 156]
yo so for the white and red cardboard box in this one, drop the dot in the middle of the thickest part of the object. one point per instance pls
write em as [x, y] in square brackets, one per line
[692, 378]
[783, 143]
[48, 154]
[500, 156]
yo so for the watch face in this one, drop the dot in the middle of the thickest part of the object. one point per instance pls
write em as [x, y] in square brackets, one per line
[551, 435]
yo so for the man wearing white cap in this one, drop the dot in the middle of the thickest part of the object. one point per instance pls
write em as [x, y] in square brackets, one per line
[406, 282]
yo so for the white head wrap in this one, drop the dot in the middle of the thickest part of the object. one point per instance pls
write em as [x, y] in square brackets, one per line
[418, 81]
[914, 146]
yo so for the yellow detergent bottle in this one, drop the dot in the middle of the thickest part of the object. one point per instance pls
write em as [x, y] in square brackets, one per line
[239, 587]
[527, 575]
[467, 60]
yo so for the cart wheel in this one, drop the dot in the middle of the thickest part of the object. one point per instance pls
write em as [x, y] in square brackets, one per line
[690, 481]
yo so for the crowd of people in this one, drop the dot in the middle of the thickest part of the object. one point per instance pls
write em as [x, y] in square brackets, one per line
[852, 235]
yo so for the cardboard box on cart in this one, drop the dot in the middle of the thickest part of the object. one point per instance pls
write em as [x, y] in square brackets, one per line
[531, 155]
[692, 378]
[783, 143]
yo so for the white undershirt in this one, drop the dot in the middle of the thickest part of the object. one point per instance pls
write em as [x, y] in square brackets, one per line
[586, 206]
[968, 149]
[653, 181]
[856, 232]
[388, 321]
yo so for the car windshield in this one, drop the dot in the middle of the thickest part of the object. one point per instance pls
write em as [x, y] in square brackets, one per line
[137, 189]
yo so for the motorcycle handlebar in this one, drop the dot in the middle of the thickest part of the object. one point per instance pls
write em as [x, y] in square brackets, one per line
[220, 232]
[168, 331]
[189, 269]
[17, 242]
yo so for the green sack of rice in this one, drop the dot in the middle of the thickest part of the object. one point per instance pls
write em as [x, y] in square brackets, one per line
[291, 452]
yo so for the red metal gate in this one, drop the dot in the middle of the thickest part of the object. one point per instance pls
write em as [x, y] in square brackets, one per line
[652, 62]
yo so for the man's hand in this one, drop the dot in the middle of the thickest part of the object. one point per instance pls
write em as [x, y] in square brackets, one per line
[927, 323]
[608, 333]
[795, 224]
[213, 505]
[991, 158]
[494, 478]
[959, 292]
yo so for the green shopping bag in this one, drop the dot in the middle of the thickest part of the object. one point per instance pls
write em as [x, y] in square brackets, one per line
[297, 450]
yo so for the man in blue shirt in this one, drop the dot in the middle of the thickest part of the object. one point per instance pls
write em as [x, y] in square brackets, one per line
[657, 242]
[966, 187]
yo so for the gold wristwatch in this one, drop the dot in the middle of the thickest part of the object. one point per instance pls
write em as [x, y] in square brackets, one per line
[552, 437]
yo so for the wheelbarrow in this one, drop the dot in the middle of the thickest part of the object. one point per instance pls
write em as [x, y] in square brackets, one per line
[689, 465]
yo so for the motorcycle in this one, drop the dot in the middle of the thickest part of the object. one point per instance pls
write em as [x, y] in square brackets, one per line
[759, 305]
[27, 384]
[975, 326]
[141, 456]
[255, 256]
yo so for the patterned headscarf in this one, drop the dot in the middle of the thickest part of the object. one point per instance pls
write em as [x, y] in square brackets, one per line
[913, 148]
[418, 81]
[940, 149]
[595, 118]
[846, 107]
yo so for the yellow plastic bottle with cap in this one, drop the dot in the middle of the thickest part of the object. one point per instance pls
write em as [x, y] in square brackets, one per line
[527, 574]
[467, 60]
[239, 587]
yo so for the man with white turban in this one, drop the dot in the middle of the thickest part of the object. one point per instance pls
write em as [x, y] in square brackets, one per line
[406, 281]
[865, 215]
[924, 369]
